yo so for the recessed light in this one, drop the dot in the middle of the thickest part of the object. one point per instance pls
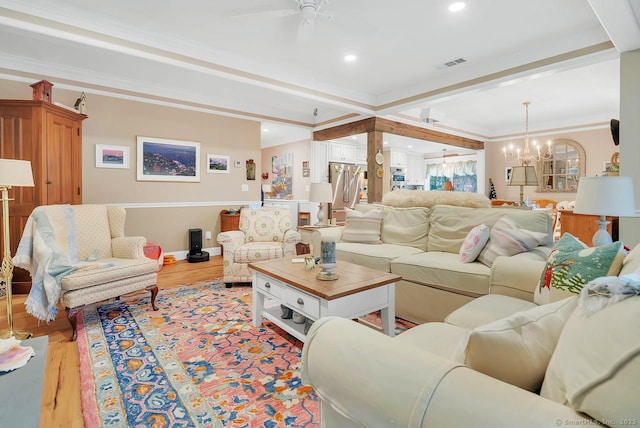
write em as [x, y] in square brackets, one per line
[353, 137]
[410, 147]
[456, 7]
[265, 129]
[350, 58]
[386, 142]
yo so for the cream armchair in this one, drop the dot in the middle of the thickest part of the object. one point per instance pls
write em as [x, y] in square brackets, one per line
[85, 246]
[264, 234]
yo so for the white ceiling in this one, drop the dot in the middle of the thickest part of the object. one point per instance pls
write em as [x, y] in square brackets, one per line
[245, 59]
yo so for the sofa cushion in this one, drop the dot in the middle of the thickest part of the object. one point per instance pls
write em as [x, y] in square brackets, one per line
[257, 251]
[567, 271]
[92, 231]
[372, 256]
[507, 238]
[517, 349]
[449, 226]
[362, 227]
[437, 338]
[108, 270]
[631, 263]
[265, 225]
[444, 270]
[405, 226]
[596, 365]
[474, 243]
[486, 309]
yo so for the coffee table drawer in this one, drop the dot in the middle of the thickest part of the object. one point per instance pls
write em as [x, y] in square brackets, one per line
[303, 302]
[270, 286]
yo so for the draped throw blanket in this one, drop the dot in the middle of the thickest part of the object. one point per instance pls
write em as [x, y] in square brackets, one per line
[48, 256]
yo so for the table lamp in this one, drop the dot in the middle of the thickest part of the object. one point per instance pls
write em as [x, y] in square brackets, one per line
[523, 175]
[321, 192]
[605, 196]
[13, 173]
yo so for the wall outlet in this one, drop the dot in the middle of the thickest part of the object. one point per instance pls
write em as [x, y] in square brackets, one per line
[245, 187]
[207, 234]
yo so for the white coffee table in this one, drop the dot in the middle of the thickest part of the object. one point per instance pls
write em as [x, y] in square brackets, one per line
[358, 291]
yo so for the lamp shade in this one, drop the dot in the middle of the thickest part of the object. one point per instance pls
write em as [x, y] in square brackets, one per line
[15, 173]
[321, 192]
[523, 176]
[608, 195]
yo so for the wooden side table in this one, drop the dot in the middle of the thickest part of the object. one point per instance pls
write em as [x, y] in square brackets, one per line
[229, 221]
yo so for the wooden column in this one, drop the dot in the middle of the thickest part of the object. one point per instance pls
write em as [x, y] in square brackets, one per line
[374, 189]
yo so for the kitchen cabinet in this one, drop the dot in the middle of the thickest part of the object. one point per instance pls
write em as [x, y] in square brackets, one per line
[398, 159]
[361, 156]
[51, 138]
[416, 170]
[342, 153]
[319, 162]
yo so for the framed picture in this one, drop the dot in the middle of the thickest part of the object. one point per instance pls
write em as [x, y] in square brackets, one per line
[112, 156]
[218, 164]
[507, 173]
[168, 160]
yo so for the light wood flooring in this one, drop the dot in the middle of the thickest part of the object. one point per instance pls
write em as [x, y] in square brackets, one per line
[61, 392]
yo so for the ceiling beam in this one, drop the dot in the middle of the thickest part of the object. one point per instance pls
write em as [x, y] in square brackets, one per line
[398, 128]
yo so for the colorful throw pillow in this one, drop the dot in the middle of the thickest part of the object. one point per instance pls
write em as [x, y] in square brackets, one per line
[506, 238]
[363, 228]
[474, 243]
[571, 264]
[517, 349]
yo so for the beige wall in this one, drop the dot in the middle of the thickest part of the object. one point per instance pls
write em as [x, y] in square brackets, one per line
[161, 211]
[301, 151]
[598, 146]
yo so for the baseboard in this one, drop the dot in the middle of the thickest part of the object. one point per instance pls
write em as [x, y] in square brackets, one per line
[182, 255]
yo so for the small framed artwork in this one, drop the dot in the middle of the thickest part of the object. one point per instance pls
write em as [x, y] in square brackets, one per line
[507, 173]
[112, 156]
[218, 164]
[168, 160]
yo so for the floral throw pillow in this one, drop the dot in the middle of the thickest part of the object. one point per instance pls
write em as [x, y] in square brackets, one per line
[571, 264]
[474, 243]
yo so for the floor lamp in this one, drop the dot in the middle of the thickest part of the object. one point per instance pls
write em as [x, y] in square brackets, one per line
[524, 175]
[13, 173]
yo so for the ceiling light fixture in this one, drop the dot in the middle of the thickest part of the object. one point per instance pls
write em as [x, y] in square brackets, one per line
[456, 7]
[350, 58]
[526, 157]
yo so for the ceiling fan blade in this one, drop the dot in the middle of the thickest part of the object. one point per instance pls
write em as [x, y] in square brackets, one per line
[306, 31]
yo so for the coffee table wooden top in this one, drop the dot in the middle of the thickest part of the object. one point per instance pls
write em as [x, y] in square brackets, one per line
[352, 278]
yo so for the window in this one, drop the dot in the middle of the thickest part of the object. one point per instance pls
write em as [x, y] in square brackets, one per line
[462, 174]
[562, 171]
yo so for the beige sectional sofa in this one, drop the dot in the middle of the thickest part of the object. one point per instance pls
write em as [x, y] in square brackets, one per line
[422, 244]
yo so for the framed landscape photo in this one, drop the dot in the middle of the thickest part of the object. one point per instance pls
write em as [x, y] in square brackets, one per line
[112, 156]
[218, 164]
[168, 160]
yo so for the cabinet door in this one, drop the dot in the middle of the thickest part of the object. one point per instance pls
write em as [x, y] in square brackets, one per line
[320, 162]
[361, 156]
[415, 170]
[398, 159]
[349, 154]
[335, 152]
[63, 164]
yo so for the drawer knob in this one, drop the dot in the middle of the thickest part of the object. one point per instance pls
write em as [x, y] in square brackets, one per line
[300, 301]
[267, 285]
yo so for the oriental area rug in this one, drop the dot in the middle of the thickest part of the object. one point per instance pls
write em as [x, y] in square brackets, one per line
[196, 362]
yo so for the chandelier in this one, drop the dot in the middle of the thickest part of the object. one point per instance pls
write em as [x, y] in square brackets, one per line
[526, 157]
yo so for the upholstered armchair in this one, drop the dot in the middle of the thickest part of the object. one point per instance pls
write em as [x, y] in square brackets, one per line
[78, 255]
[264, 234]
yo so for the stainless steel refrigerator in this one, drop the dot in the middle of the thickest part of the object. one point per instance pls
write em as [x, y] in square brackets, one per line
[346, 181]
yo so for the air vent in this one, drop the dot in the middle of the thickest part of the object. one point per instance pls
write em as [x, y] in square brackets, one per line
[451, 63]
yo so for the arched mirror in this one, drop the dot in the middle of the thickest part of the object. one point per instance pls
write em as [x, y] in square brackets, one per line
[561, 172]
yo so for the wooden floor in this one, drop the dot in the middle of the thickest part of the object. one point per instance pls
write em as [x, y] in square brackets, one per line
[61, 393]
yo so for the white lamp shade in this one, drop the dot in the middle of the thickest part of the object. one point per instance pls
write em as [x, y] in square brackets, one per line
[523, 176]
[321, 192]
[15, 173]
[608, 195]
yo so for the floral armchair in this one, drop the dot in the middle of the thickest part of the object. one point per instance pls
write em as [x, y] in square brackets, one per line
[264, 234]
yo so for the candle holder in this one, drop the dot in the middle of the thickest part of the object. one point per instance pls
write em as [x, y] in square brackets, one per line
[328, 261]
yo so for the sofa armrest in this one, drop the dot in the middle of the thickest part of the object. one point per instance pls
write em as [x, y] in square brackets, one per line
[325, 234]
[516, 276]
[377, 381]
[128, 247]
[231, 239]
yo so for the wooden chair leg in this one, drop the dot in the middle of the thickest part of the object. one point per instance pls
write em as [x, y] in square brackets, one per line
[154, 294]
[72, 316]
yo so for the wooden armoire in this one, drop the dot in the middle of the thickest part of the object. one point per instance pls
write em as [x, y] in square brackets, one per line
[51, 138]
